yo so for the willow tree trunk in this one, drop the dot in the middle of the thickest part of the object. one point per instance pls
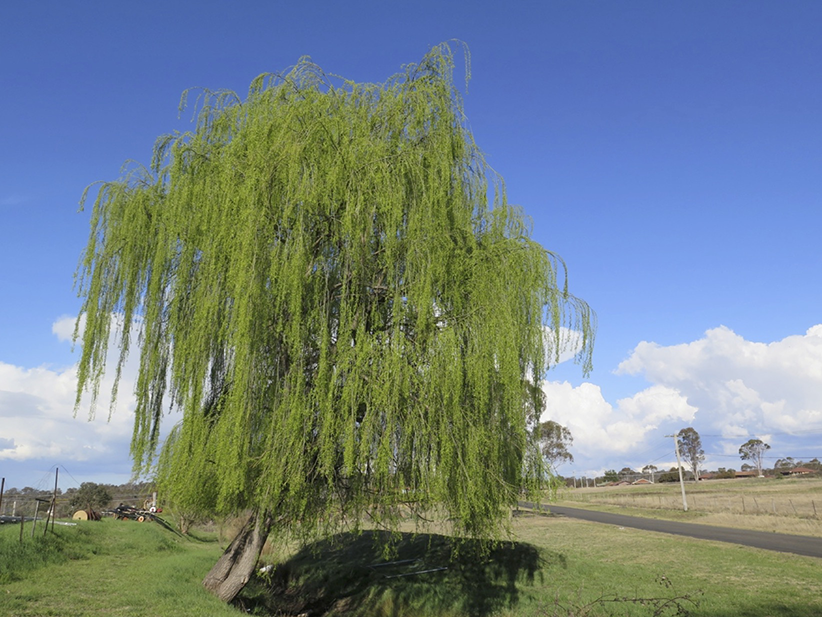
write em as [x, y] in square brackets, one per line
[236, 565]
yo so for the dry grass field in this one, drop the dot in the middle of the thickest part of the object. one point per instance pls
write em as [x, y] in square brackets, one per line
[791, 505]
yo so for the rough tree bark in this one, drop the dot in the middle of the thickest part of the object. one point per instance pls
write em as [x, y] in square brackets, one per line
[236, 565]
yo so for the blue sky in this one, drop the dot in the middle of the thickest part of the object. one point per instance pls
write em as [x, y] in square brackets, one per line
[669, 152]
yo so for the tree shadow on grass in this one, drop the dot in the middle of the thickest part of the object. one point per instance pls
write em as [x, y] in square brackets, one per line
[349, 575]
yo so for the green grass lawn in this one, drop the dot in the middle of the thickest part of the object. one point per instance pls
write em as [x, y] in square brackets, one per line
[555, 567]
[734, 581]
[105, 568]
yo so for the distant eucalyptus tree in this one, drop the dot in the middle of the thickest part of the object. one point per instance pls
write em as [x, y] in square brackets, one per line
[320, 284]
[781, 463]
[692, 452]
[650, 470]
[554, 440]
[754, 450]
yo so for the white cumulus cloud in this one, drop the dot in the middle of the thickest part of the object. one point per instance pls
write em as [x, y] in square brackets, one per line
[601, 429]
[37, 420]
[728, 388]
[63, 328]
[740, 387]
[38, 427]
[562, 346]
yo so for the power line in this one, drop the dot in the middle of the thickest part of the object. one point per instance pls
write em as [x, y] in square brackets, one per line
[770, 457]
[71, 476]
[666, 455]
[769, 433]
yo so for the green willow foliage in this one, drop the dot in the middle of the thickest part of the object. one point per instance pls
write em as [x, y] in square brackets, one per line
[322, 288]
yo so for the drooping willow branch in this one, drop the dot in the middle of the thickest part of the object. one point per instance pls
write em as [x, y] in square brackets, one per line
[321, 285]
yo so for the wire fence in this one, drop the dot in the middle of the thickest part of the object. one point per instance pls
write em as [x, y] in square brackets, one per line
[25, 502]
[793, 505]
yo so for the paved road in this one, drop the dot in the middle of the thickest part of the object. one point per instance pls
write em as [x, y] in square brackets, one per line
[800, 545]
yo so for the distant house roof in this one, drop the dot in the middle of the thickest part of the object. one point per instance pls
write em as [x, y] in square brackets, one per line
[706, 476]
[745, 474]
[799, 471]
[642, 481]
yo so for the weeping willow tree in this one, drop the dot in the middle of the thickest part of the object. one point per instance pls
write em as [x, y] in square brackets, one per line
[327, 284]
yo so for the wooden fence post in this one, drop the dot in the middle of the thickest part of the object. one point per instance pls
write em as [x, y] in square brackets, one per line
[34, 522]
[54, 499]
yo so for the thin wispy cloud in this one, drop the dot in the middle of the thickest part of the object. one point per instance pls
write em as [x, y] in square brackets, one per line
[10, 201]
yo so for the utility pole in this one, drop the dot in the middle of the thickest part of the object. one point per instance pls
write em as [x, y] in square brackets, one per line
[51, 513]
[54, 499]
[679, 467]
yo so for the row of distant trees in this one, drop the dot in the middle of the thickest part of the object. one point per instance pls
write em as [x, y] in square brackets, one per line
[556, 439]
[780, 468]
[655, 474]
[752, 451]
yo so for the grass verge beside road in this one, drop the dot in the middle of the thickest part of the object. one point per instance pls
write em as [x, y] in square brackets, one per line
[734, 581]
[792, 506]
